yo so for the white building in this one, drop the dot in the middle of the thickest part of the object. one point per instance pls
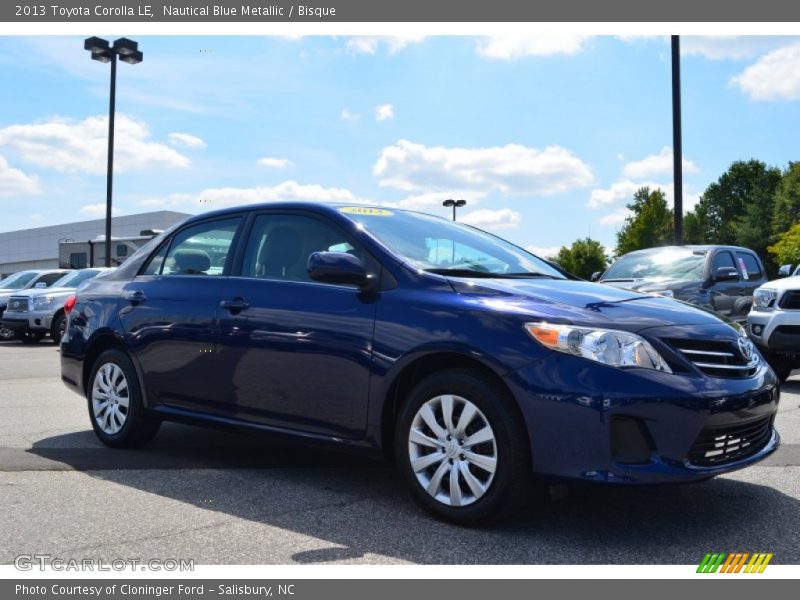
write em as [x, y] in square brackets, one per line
[37, 248]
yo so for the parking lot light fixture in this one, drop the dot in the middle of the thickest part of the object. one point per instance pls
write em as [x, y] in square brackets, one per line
[455, 204]
[128, 51]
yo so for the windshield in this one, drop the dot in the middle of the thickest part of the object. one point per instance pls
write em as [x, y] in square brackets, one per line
[17, 281]
[659, 263]
[75, 278]
[441, 246]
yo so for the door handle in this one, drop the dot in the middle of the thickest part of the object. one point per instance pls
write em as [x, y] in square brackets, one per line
[134, 296]
[236, 305]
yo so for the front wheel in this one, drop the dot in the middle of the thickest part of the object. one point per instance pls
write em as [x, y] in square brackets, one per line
[463, 449]
[116, 409]
[58, 327]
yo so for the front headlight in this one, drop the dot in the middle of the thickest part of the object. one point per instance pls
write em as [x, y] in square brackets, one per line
[607, 346]
[764, 299]
[44, 302]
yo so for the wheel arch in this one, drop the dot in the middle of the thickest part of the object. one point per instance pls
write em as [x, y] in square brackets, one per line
[415, 370]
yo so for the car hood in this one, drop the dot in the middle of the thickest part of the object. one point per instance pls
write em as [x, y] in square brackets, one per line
[36, 292]
[787, 283]
[581, 303]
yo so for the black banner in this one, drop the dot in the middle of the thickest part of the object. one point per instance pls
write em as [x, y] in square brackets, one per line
[160, 11]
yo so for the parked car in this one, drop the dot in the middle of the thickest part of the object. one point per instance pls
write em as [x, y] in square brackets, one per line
[32, 314]
[471, 360]
[774, 322]
[717, 278]
[24, 280]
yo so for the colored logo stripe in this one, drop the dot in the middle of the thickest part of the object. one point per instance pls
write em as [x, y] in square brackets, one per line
[734, 562]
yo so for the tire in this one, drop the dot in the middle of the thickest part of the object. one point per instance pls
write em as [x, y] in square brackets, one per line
[7, 335]
[118, 425]
[436, 456]
[32, 337]
[57, 328]
[781, 366]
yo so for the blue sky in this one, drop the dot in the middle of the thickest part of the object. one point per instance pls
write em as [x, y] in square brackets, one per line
[547, 137]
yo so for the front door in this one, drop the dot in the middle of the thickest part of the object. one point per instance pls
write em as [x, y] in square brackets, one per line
[296, 353]
[724, 294]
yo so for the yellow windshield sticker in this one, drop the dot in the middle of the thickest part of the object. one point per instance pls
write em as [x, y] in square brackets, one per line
[366, 211]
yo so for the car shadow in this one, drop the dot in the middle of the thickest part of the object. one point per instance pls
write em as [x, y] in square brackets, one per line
[359, 506]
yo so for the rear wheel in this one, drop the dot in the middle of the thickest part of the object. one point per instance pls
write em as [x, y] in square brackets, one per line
[462, 448]
[58, 327]
[116, 410]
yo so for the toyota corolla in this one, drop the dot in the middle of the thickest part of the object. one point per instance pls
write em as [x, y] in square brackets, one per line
[472, 362]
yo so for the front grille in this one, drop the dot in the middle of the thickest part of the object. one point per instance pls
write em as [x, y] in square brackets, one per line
[717, 359]
[721, 445]
[790, 301]
[17, 305]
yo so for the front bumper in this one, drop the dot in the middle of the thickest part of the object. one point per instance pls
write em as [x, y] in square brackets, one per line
[597, 423]
[778, 330]
[35, 321]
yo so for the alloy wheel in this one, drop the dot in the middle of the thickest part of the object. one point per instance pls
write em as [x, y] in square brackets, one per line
[452, 450]
[110, 398]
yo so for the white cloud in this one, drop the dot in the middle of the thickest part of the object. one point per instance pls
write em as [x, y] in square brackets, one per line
[274, 163]
[434, 199]
[655, 164]
[98, 210]
[485, 218]
[615, 218]
[384, 112]
[232, 196]
[775, 76]
[618, 192]
[14, 182]
[543, 251]
[370, 44]
[82, 146]
[346, 115]
[186, 139]
[513, 47]
[511, 169]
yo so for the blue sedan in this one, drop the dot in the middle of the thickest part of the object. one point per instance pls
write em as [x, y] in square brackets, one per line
[476, 364]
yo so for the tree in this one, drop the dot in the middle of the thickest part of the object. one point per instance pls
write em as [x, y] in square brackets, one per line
[738, 207]
[787, 200]
[651, 223]
[787, 249]
[583, 258]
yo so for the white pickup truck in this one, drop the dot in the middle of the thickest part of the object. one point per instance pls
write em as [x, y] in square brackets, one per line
[774, 322]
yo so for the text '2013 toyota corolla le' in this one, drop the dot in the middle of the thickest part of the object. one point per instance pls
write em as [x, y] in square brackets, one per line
[474, 362]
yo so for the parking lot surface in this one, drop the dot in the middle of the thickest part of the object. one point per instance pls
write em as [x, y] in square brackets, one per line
[222, 498]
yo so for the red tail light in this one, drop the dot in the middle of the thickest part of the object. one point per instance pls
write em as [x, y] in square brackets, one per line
[69, 304]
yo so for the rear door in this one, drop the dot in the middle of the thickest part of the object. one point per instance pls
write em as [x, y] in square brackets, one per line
[296, 353]
[168, 312]
[724, 294]
[749, 268]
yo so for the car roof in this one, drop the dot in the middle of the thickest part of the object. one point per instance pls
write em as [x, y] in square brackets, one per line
[694, 248]
[319, 206]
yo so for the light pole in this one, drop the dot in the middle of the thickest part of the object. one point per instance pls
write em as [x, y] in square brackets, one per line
[677, 150]
[102, 51]
[455, 204]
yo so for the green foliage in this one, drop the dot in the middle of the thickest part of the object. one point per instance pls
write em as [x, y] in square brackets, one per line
[651, 224]
[787, 200]
[583, 258]
[787, 249]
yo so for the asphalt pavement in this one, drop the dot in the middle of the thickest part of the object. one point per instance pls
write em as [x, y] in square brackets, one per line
[222, 498]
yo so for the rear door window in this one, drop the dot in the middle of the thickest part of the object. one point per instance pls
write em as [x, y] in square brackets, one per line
[748, 265]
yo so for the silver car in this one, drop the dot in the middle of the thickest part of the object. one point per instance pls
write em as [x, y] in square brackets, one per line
[32, 314]
[24, 280]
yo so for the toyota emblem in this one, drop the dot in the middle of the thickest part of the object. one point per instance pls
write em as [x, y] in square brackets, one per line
[746, 348]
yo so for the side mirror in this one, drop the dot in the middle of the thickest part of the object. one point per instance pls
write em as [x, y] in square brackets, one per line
[785, 271]
[596, 275]
[337, 267]
[726, 274]
[40, 285]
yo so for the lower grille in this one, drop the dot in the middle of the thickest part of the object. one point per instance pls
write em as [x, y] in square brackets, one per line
[717, 358]
[721, 445]
[17, 305]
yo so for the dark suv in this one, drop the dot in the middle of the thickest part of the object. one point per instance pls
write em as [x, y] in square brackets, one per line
[474, 362]
[717, 278]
